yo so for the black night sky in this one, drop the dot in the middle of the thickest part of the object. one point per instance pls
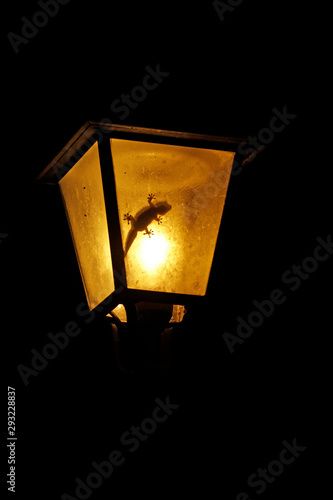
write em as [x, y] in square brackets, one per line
[222, 68]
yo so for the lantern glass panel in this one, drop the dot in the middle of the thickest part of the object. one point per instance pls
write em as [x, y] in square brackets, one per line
[83, 197]
[170, 201]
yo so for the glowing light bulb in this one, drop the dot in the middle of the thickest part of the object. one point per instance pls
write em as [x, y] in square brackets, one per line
[152, 252]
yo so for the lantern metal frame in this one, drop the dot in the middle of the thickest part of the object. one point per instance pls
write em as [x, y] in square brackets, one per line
[92, 132]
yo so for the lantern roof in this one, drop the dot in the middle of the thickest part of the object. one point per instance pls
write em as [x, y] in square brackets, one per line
[91, 132]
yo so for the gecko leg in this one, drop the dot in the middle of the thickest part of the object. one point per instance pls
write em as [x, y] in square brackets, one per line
[159, 219]
[149, 232]
[151, 197]
[128, 217]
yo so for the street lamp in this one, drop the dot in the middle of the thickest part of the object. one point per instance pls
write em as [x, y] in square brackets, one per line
[144, 208]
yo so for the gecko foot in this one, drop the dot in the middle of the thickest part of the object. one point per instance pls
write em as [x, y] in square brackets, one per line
[159, 219]
[128, 217]
[149, 232]
[151, 197]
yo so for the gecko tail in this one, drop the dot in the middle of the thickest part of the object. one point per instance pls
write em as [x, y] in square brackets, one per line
[129, 240]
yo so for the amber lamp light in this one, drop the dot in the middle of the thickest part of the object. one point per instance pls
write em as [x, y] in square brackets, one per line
[144, 208]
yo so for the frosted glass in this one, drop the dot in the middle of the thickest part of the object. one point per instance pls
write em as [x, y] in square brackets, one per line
[83, 197]
[170, 201]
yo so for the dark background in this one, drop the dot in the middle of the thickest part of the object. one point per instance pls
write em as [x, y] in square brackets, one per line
[235, 409]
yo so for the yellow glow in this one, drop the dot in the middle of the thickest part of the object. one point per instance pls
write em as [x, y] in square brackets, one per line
[175, 195]
[119, 312]
[152, 252]
[178, 313]
[83, 197]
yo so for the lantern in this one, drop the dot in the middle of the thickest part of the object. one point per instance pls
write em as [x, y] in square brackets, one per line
[144, 208]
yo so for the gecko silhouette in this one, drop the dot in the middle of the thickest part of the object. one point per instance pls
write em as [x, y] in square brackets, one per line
[143, 218]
